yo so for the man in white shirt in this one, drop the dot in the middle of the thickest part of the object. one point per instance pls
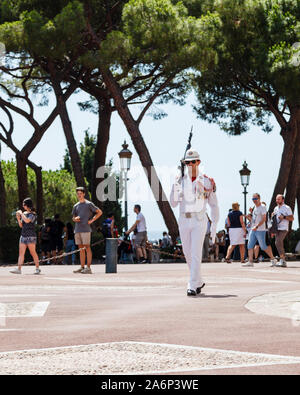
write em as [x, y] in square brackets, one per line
[284, 215]
[141, 236]
[192, 192]
[258, 231]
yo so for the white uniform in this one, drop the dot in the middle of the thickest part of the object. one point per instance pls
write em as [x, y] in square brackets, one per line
[192, 198]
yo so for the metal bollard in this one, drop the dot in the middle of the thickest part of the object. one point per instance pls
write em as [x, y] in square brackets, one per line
[111, 252]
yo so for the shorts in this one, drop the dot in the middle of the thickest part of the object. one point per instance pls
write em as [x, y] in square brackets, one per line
[45, 246]
[56, 244]
[257, 235]
[83, 239]
[141, 238]
[27, 240]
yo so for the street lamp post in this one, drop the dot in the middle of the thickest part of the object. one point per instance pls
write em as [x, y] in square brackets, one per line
[245, 178]
[125, 162]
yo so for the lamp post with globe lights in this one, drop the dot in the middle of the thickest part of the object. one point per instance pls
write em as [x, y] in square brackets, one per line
[245, 179]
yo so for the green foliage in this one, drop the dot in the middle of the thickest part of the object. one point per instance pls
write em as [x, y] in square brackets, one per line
[159, 32]
[52, 38]
[87, 155]
[59, 191]
[254, 73]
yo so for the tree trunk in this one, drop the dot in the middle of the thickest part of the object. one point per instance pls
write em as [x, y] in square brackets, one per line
[3, 217]
[298, 205]
[22, 179]
[68, 130]
[39, 192]
[105, 112]
[289, 138]
[294, 176]
[142, 150]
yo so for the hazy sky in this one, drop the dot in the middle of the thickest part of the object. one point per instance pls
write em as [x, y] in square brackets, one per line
[222, 156]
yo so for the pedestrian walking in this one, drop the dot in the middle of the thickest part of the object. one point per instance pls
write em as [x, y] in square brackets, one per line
[44, 238]
[166, 240]
[70, 245]
[108, 226]
[192, 192]
[220, 245]
[258, 231]
[27, 221]
[237, 232]
[84, 214]
[141, 236]
[284, 215]
[56, 237]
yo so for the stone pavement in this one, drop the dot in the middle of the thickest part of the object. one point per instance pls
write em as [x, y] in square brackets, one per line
[247, 321]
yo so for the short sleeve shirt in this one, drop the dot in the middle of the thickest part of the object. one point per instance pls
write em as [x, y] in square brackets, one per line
[234, 218]
[257, 217]
[28, 229]
[85, 211]
[283, 210]
[141, 227]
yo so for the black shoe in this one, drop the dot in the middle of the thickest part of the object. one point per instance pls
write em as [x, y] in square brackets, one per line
[191, 292]
[142, 260]
[199, 289]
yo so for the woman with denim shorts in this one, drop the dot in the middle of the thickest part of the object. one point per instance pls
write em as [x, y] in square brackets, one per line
[27, 221]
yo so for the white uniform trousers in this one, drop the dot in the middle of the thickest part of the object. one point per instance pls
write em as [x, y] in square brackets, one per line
[192, 233]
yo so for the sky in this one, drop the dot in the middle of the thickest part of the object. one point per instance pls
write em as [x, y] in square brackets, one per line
[222, 156]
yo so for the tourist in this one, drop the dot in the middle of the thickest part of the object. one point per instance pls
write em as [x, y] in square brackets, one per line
[258, 231]
[284, 215]
[44, 239]
[141, 236]
[237, 232]
[56, 237]
[70, 245]
[27, 221]
[84, 214]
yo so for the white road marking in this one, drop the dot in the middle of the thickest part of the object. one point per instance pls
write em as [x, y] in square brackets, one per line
[23, 309]
[276, 271]
[24, 295]
[278, 304]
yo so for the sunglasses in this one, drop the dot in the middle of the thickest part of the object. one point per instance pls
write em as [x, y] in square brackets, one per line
[254, 199]
[190, 161]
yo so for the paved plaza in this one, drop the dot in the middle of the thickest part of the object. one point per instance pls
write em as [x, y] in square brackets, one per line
[247, 321]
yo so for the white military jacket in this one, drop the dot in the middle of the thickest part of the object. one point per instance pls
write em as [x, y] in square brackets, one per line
[192, 197]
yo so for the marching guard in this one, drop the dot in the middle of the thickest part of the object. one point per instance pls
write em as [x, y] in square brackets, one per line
[192, 192]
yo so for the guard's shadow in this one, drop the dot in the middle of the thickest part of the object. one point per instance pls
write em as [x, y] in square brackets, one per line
[217, 296]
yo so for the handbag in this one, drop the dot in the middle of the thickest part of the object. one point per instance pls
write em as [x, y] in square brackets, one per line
[272, 224]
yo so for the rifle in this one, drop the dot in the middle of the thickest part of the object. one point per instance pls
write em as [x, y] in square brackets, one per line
[187, 148]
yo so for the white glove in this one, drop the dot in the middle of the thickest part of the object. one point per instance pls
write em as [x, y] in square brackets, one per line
[213, 232]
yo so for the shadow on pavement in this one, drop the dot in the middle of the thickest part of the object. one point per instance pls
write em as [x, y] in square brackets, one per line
[217, 296]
